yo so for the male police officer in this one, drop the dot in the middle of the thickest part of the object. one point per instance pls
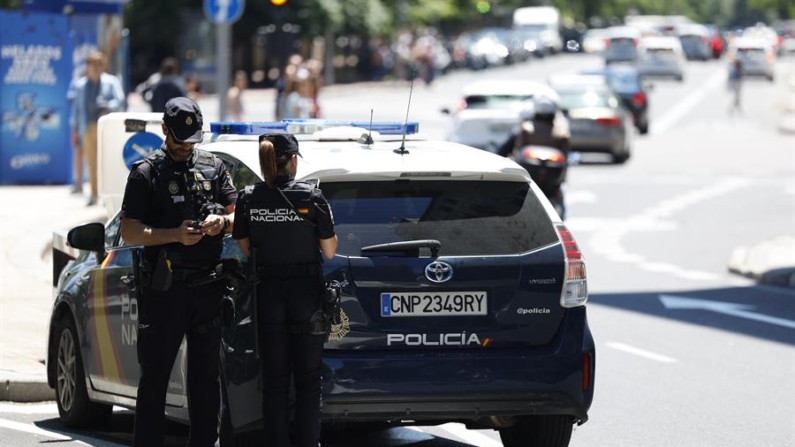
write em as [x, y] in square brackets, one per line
[290, 224]
[166, 196]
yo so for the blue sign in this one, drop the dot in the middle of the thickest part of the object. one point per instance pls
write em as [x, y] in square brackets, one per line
[35, 71]
[139, 146]
[224, 12]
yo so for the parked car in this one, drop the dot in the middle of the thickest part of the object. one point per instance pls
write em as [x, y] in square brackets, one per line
[627, 84]
[661, 56]
[463, 296]
[488, 111]
[597, 121]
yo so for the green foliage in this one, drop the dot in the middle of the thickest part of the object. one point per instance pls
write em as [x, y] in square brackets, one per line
[10, 4]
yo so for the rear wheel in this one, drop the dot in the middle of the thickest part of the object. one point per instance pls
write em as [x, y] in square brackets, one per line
[538, 431]
[74, 407]
[643, 128]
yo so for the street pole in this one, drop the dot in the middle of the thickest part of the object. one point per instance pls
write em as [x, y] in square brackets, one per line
[223, 52]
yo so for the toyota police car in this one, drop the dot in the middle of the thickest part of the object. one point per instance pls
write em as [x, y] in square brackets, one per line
[463, 292]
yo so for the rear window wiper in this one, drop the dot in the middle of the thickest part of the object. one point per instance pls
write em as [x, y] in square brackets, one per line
[403, 248]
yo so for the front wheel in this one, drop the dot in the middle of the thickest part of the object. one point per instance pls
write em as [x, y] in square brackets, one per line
[538, 431]
[74, 406]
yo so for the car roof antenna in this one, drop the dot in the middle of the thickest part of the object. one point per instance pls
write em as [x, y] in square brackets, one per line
[368, 137]
[402, 149]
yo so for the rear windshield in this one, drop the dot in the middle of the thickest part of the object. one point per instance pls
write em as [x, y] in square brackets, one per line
[751, 53]
[495, 101]
[469, 218]
[580, 99]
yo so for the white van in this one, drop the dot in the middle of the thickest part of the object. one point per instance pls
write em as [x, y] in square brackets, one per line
[543, 20]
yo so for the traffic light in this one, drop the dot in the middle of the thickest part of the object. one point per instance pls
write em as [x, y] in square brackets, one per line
[278, 2]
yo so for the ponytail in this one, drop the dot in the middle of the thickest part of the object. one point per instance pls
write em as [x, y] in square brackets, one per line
[267, 162]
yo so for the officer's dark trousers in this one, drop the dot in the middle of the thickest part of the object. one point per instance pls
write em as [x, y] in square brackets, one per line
[286, 304]
[164, 318]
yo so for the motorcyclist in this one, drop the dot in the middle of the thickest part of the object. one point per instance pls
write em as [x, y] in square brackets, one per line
[542, 124]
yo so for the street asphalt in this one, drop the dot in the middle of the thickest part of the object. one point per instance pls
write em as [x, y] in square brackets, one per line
[34, 212]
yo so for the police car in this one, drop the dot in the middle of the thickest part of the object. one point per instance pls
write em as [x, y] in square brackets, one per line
[463, 293]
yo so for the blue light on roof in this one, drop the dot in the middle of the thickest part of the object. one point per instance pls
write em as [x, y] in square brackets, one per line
[310, 126]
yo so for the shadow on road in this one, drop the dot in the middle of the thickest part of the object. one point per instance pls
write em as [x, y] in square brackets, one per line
[766, 313]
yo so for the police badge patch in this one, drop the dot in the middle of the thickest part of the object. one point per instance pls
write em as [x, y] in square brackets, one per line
[173, 188]
[338, 331]
[206, 184]
[188, 121]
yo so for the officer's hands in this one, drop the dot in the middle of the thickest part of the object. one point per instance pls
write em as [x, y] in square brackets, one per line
[212, 225]
[188, 234]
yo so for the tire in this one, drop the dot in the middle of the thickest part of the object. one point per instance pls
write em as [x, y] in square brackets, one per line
[74, 406]
[680, 78]
[643, 128]
[621, 158]
[538, 431]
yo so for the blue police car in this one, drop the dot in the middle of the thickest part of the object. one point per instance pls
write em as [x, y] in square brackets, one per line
[463, 295]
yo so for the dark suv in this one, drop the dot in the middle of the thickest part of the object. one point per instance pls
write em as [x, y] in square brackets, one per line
[463, 300]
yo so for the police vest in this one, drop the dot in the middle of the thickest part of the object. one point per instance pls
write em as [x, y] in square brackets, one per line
[283, 228]
[180, 190]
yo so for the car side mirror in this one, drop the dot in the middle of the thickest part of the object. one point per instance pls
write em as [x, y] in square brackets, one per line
[90, 237]
[445, 111]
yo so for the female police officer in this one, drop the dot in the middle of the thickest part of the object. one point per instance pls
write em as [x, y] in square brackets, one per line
[288, 223]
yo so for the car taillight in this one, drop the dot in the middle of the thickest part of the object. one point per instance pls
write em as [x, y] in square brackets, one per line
[575, 285]
[639, 99]
[770, 57]
[531, 153]
[462, 105]
[586, 372]
[611, 121]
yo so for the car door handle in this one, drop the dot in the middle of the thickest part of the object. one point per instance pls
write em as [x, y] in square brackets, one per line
[128, 280]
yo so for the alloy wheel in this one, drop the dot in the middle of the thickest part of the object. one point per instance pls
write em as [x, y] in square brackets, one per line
[66, 370]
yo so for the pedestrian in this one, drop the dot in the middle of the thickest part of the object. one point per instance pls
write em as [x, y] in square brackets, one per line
[234, 104]
[194, 85]
[290, 291]
[170, 85]
[178, 203]
[735, 86]
[96, 94]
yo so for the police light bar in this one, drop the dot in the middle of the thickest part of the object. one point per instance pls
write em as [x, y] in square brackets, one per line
[310, 126]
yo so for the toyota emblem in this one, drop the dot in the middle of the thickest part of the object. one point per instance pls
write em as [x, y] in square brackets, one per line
[438, 271]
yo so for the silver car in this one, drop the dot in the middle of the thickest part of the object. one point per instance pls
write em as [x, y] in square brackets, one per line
[661, 57]
[756, 56]
[597, 121]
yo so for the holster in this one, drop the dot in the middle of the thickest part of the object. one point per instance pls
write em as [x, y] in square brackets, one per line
[162, 274]
[331, 302]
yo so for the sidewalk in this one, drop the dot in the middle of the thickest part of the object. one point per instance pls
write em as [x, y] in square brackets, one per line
[27, 221]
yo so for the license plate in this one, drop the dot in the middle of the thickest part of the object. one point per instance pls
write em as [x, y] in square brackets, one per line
[434, 304]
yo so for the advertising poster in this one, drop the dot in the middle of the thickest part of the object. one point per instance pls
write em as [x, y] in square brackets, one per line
[35, 72]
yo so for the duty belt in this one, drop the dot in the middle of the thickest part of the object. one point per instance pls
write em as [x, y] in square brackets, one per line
[186, 273]
[285, 271]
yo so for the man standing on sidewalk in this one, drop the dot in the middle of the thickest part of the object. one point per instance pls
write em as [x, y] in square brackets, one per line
[95, 94]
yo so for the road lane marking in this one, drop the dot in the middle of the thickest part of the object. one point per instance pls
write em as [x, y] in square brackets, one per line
[472, 436]
[6, 408]
[640, 352]
[32, 429]
[682, 108]
[738, 310]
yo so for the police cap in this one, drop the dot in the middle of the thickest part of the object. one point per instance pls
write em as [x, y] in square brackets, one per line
[183, 119]
[284, 144]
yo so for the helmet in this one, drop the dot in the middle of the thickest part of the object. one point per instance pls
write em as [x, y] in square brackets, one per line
[545, 106]
[528, 112]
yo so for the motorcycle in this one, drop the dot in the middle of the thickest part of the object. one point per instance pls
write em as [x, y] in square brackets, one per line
[547, 167]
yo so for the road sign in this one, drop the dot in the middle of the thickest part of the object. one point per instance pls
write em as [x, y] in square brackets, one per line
[224, 12]
[139, 146]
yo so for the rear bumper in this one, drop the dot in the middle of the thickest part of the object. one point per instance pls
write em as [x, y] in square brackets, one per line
[463, 384]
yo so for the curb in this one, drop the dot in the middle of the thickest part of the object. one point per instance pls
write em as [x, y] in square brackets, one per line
[17, 387]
